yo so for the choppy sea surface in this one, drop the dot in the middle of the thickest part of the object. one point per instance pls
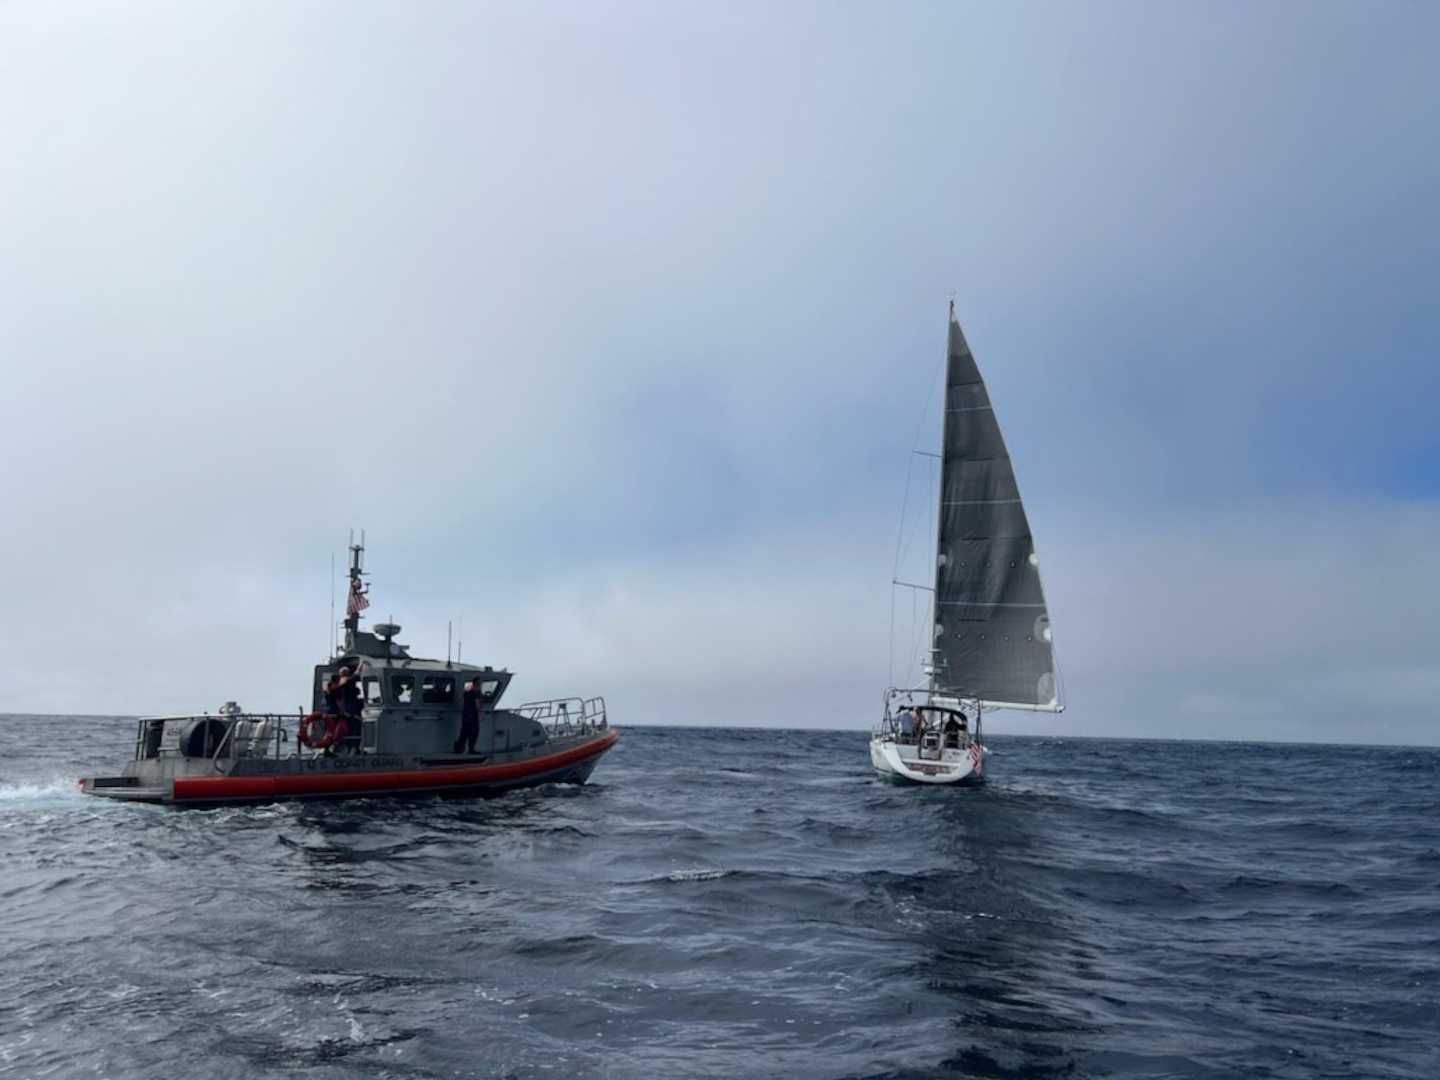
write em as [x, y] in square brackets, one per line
[737, 903]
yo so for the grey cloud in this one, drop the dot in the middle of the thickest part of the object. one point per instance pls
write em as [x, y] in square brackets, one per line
[266, 276]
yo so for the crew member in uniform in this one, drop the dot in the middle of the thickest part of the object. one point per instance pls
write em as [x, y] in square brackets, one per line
[470, 717]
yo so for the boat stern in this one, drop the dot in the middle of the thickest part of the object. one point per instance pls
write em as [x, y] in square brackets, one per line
[908, 763]
[126, 788]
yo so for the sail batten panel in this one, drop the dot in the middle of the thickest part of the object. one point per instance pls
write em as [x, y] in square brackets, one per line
[980, 502]
[989, 571]
[982, 520]
[963, 607]
[973, 434]
[980, 480]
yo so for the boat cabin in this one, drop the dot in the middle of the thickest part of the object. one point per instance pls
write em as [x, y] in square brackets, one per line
[414, 706]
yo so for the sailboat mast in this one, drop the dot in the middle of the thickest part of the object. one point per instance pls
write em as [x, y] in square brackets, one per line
[934, 667]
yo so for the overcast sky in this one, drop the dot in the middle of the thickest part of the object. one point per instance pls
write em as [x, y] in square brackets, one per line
[614, 327]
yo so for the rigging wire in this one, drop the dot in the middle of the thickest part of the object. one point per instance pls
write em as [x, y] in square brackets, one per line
[910, 465]
[905, 538]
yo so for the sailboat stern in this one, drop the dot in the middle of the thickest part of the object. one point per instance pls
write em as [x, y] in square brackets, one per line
[918, 763]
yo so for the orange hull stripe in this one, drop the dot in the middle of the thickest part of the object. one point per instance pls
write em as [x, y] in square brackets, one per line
[262, 787]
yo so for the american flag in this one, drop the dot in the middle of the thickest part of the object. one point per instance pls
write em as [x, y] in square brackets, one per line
[358, 600]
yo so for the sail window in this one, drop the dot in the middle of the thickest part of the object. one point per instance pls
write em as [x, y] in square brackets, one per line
[437, 690]
[402, 689]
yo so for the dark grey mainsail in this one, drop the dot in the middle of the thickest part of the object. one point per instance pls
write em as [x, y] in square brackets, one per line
[992, 629]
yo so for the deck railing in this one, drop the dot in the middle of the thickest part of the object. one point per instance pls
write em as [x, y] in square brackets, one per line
[243, 735]
[567, 716]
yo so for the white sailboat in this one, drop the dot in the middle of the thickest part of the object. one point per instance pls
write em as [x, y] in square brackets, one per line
[991, 646]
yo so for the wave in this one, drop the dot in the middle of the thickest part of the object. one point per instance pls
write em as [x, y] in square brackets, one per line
[692, 875]
[48, 791]
[1094, 910]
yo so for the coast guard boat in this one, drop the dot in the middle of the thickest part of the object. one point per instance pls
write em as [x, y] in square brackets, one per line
[400, 739]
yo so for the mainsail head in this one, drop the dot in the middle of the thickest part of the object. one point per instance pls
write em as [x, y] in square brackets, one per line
[992, 629]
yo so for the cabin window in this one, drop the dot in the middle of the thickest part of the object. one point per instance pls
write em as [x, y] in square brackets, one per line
[371, 684]
[437, 690]
[402, 689]
[489, 686]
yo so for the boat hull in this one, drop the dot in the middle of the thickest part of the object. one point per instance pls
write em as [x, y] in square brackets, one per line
[907, 763]
[363, 776]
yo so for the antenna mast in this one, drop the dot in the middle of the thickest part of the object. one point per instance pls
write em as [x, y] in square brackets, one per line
[356, 601]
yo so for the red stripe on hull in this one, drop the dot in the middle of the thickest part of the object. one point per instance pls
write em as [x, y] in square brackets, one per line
[380, 782]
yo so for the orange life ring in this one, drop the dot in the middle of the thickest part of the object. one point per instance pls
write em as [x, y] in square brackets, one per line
[313, 732]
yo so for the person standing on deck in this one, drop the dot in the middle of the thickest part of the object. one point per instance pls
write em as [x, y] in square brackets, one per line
[350, 703]
[470, 717]
[331, 713]
[951, 730]
[906, 719]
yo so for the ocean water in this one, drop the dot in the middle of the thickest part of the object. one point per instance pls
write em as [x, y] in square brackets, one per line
[737, 903]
